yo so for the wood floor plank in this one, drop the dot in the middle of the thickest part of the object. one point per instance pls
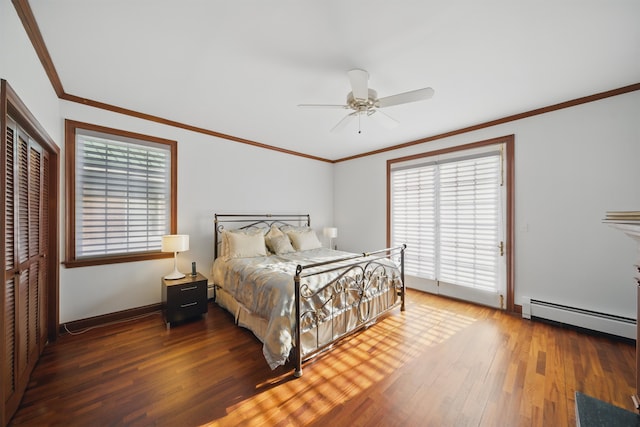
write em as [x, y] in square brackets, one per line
[441, 362]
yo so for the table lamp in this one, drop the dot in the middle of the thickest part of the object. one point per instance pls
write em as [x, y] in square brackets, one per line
[331, 233]
[175, 243]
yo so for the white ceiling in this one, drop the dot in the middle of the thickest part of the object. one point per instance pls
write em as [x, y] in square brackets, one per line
[242, 67]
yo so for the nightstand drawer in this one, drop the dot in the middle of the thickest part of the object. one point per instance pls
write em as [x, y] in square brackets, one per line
[179, 295]
[184, 298]
[185, 310]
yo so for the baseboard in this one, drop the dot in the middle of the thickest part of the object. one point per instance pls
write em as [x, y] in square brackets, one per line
[580, 318]
[104, 319]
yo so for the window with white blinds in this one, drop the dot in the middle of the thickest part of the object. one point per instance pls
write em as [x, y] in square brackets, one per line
[448, 212]
[123, 199]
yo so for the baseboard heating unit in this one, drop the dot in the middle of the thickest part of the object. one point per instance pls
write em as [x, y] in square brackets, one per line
[587, 319]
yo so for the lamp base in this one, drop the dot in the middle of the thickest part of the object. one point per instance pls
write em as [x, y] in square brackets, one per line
[175, 275]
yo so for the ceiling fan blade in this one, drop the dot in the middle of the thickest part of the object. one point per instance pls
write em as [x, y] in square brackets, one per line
[384, 119]
[406, 97]
[344, 122]
[323, 106]
[359, 83]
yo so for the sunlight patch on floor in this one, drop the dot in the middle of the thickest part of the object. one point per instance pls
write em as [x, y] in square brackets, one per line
[347, 370]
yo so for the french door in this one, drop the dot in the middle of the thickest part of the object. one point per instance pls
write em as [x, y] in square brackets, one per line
[450, 210]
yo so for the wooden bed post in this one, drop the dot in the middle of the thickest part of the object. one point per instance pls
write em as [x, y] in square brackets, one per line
[298, 329]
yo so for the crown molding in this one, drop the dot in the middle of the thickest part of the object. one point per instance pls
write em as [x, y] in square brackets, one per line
[33, 31]
[519, 116]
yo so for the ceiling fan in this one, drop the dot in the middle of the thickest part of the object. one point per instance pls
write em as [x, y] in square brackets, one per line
[364, 101]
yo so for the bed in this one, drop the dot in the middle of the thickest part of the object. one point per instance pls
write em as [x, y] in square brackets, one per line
[272, 273]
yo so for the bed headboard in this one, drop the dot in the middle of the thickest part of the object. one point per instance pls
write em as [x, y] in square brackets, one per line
[245, 221]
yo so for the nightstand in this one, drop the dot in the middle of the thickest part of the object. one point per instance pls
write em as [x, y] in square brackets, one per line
[184, 298]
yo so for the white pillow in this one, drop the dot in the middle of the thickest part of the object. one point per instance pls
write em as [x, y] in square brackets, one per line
[277, 242]
[280, 244]
[243, 244]
[224, 242]
[304, 240]
[273, 232]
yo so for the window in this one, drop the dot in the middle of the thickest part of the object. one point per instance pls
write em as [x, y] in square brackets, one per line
[449, 209]
[121, 195]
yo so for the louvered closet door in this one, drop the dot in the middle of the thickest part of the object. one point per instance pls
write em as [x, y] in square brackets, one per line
[10, 332]
[25, 304]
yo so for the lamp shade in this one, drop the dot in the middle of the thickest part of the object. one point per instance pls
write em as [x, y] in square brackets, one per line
[175, 243]
[330, 232]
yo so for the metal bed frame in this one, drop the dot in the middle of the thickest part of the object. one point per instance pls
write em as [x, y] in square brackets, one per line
[353, 277]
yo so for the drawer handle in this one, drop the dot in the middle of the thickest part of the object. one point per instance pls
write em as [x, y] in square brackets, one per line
[188, 305]
[188, 289]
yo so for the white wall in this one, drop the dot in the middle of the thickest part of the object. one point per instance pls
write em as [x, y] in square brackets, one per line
[214, 175]
[571, 166]
[20, 66]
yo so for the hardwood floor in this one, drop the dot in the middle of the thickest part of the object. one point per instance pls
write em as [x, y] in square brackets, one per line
[441, 362]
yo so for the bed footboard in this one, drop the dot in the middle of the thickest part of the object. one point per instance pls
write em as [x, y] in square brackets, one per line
[362, 288]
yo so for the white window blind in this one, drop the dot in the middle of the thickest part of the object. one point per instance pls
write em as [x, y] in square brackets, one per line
[448, 213]
[469, 214]
[123, 195]
[414, 217]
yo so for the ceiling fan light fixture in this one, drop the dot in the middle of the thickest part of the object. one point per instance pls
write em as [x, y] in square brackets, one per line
[359, 104]
[364, 100]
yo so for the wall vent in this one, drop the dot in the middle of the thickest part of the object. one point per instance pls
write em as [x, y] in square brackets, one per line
[595, 321]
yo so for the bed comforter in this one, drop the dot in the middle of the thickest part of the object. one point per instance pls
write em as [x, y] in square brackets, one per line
[265, 287]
